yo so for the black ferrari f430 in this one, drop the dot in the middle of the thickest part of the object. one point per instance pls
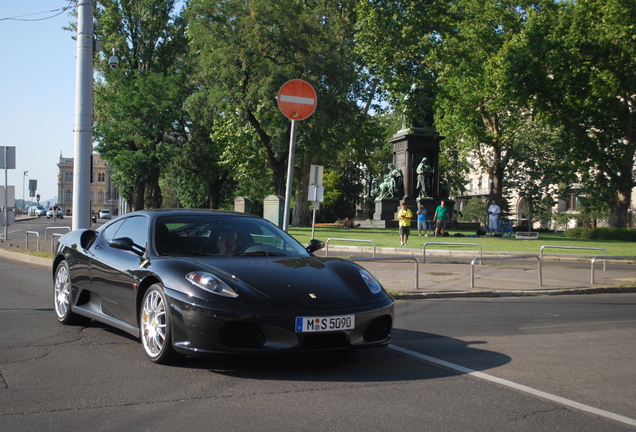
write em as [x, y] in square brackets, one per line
[201, 282]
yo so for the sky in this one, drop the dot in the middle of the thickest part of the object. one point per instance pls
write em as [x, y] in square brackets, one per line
[37, 91]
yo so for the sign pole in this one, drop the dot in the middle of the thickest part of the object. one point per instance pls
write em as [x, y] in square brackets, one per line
[297, 101]
[6, 192]
[315, 204]
[290, 174]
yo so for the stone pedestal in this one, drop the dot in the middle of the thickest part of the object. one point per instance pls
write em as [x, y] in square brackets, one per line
[273, 209]
[409, 147]
[385, 209]
[242, 205]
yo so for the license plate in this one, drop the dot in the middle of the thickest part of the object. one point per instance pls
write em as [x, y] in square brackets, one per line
[325, 324]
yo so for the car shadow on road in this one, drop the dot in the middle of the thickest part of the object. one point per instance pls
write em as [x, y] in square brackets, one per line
[371, 365]
[469, 354]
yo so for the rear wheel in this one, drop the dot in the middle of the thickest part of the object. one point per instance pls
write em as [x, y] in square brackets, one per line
[154, 322]
[62, 297]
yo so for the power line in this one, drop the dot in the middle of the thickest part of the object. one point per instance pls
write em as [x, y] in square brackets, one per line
[60, 12]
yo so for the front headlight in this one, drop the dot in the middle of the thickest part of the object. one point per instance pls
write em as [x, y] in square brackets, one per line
[211, 284]
[371, 282]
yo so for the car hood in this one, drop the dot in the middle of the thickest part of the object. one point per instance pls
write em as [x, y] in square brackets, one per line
[294, 282]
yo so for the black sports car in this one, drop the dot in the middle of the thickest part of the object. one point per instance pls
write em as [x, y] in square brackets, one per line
[200, 282]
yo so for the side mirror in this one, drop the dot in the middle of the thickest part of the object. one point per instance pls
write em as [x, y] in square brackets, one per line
[126, 243]
[315, 245]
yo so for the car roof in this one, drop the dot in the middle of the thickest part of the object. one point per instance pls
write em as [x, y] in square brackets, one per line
[154, 213]
[177, 211]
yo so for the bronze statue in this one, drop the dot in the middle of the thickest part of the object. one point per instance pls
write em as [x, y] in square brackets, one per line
[424, 172]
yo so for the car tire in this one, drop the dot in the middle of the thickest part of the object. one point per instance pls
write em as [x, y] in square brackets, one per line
[62, 297]
[154, 326]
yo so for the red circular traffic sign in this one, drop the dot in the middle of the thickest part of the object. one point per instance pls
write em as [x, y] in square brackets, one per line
[297, 99]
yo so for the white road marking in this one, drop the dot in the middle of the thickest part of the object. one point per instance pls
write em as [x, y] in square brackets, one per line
[463, 370]
[578, 325]
[297, 99]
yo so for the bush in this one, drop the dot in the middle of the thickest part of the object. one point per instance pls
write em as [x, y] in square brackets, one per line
[602, 234]
[474, 209]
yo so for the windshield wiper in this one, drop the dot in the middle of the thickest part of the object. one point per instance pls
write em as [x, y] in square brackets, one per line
[189, 253]
[259, 253]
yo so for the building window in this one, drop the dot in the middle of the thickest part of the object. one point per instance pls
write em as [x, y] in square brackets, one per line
[100, 196]
[571, 202]
[69, 176]
[69, 195]
[101, 177]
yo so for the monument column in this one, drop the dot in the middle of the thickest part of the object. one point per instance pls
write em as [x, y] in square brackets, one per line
[409, 147]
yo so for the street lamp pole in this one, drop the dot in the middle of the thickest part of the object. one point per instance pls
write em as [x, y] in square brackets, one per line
[83, 143]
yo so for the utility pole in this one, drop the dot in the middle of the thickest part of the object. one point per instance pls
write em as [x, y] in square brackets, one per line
[83, 144]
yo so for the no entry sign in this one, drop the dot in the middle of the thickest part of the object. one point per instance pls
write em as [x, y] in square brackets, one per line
[297, 99]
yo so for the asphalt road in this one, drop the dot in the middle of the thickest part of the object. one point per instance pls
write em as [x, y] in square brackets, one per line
[580, 348]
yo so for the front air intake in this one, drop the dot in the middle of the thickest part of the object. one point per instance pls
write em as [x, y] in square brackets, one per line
[241, 335]
[378, 329]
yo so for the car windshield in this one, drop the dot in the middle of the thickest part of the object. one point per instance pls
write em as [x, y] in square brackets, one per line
[223, 236]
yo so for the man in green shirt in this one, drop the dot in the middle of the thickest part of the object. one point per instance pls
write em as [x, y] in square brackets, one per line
[440, 218]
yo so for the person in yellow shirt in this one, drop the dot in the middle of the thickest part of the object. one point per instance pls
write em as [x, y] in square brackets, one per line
[404, 217]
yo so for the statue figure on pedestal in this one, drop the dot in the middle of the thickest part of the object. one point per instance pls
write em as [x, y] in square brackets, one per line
[392, 186]
[424, 172]
[418, 110]
[396, 177]
[444, 189]
[382, 190]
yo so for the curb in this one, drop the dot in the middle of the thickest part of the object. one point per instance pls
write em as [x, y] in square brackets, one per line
[31, 259]
[528, 293]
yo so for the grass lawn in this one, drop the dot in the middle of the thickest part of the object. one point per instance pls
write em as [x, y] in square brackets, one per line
[390, 238]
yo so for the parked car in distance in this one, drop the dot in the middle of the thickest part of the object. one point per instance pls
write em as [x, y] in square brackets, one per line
[104, 214]
[36, 211]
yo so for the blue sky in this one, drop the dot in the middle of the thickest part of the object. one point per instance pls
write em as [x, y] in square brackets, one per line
[37, 91]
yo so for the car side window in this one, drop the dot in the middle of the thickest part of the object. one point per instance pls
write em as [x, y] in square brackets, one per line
[110, 230]
[136, 228]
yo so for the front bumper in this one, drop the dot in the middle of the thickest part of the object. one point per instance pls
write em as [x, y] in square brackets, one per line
[202, 330]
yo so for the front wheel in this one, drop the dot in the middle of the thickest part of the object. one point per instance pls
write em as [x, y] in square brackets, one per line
[154, 323]
[62, 297]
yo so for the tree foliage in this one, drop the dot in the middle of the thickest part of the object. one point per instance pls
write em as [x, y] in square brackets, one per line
[137, 105]
[574, 64]
[248, 49]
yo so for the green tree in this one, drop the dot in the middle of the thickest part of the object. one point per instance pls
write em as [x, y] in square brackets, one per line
[537, 170]
[454, 51]
[475, 113]
[574, 64]
[248, 49]
[138, 104]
